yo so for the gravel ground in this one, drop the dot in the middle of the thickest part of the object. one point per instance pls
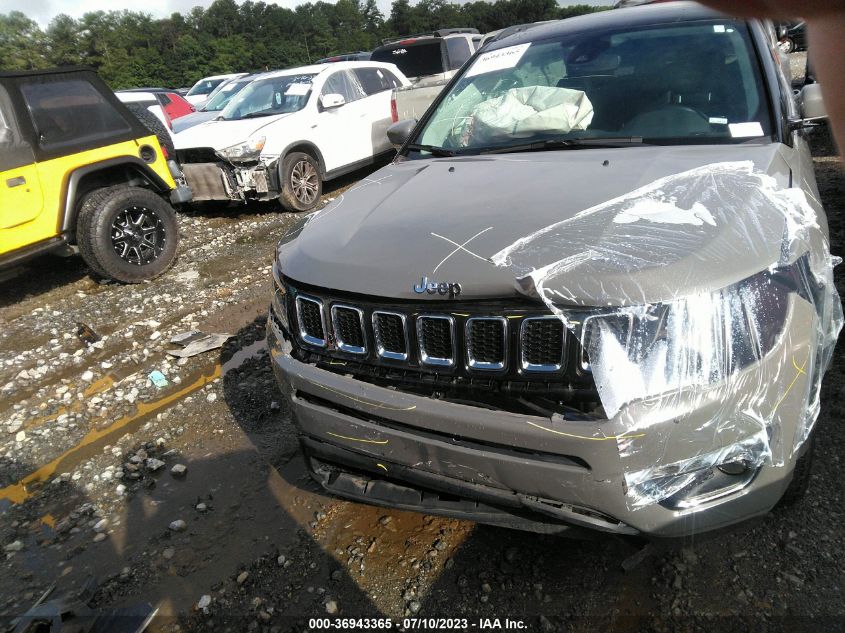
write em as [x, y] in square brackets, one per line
[194, 497]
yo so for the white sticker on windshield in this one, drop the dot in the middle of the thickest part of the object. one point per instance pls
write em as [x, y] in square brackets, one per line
[297, 90]
[507, 57]
[746, 130]
[719, 28]
[718, 120]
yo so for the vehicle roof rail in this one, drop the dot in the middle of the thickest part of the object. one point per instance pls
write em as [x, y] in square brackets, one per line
[392, 40]
[445, 32]
[437, 33]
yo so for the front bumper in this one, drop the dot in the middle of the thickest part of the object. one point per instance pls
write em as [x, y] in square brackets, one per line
[223, 181]
[387, 447]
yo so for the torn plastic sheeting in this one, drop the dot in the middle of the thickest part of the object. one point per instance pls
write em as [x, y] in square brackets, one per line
[706, 306]
[531, 110]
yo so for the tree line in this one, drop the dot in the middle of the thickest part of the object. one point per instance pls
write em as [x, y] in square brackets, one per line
[130, 48]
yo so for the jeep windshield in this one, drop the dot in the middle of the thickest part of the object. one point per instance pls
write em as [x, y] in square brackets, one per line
[268, 97]
[696, 83]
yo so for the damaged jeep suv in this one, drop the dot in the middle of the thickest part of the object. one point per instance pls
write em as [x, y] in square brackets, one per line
[594, 289]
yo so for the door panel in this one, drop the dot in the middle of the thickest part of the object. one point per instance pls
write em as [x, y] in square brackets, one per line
[378, 83]
[21, 203]
[21, 199]
[343, 133]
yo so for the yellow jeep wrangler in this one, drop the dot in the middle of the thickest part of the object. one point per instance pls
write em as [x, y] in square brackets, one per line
[80, 172]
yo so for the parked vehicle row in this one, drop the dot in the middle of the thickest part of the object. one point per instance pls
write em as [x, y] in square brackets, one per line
[218, 100]
[166, 105]
[201, 90]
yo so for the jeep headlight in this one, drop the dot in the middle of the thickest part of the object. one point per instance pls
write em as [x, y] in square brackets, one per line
[692, 342]
[247, 152]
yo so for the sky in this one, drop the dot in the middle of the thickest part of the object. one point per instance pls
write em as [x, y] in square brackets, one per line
[42, 11]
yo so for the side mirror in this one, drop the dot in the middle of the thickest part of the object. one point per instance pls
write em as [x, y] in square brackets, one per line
[332, 101]
[812, 105]
[399, 133]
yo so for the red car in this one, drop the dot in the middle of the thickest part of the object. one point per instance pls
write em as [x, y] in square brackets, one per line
[173, 104]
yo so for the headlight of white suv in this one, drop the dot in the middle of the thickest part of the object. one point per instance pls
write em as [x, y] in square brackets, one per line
[247, 152]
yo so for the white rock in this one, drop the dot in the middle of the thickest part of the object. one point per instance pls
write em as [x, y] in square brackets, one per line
[204, 602]
[121, 489]
[14, 546]
[88, 376]
[20, 436]
[211, 397]
[178, 470]
[178, 525]
[101, 525]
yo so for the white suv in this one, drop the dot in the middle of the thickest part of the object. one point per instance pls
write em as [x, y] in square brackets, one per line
[286, 133]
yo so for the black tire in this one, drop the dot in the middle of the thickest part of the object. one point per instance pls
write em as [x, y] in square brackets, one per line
[302, 184]
[154, 125]
[787, 45]
[800, 476]
[145, 251]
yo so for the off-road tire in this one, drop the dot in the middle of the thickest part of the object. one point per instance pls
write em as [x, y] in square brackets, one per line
[800, 476]
[97, 228]
[154, 125]
[295, 168]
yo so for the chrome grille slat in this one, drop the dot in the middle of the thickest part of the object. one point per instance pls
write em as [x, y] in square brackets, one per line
[312, 326]
[432, 329]
[487, 343]
[348, 326]
[391, 335]
[538, 338]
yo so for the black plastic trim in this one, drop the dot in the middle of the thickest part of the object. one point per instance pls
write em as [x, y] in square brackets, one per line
[68, 219]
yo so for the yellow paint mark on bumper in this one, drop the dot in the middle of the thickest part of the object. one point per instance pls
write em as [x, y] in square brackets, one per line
[357, 439]
[586, 437]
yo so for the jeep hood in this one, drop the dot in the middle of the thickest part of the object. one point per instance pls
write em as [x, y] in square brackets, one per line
[221, 134]
[497, 224]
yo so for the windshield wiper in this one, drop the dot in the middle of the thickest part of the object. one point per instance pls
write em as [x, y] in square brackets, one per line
[255, 115]
[434, 149]
[567, 143]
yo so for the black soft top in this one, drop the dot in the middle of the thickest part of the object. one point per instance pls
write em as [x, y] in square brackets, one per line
[47, 71]
[26, 123]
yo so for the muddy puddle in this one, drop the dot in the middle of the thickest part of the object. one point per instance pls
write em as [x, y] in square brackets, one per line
[96, 439]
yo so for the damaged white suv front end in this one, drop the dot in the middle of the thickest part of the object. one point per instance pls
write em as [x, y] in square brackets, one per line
[288, 131]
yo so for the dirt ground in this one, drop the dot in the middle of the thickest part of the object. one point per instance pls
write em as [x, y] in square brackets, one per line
[243, 541]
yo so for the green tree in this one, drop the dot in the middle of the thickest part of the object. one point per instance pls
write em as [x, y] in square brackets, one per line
[22, 43]
[131, 48]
